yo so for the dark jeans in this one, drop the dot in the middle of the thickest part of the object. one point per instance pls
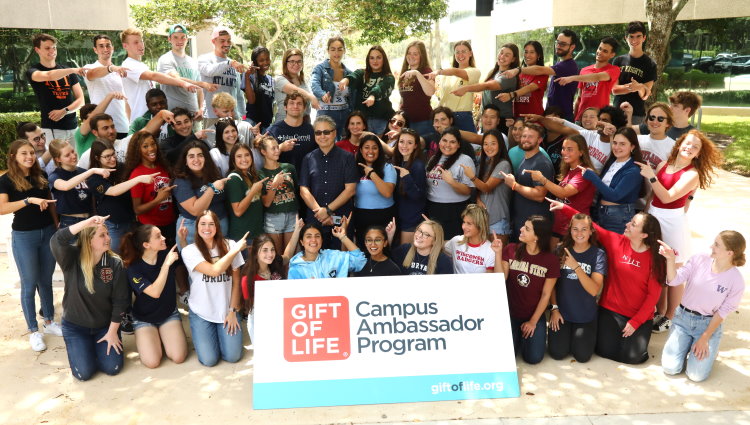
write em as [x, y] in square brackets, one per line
[448, 214]
[610, 343]
[85, 355]
[615, 217]
[532, 348]
[578, 339]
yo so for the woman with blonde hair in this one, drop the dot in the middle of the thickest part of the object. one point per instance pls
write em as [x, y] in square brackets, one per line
[472, 251]
[292, 79]
[425, 254]
[96, 296]
[415, 90]
[463, 72]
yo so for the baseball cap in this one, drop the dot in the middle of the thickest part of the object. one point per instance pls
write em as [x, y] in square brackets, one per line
[177, 27]
[215, 33]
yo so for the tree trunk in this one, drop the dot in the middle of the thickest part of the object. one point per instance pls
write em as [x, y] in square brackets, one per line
[661, 15]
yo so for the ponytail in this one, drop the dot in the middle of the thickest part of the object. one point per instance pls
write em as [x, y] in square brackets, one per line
[131, 246]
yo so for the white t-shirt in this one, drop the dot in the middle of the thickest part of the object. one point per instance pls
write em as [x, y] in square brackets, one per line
[98, 90]
[611, 171]
[135, 88]
[655, 151]
[209, 296]
[221, 161]
[469, 258]
[48, 167]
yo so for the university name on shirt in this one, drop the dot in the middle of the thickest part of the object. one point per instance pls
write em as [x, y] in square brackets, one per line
[572, 274]
[626, 259]
[526, 267]
[599, 155]
[469, 258]
[227, 79]
[631, 69]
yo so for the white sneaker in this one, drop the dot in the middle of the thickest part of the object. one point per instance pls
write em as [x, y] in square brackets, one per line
[53, 328]
[37, 341]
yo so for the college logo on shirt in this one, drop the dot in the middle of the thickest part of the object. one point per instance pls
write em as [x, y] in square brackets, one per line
[106, 274]
[523, 280]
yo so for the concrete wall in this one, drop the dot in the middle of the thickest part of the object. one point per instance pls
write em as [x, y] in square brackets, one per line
[65, 14]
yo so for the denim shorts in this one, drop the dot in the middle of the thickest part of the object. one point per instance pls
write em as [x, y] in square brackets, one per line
[282, 222]
[137, 324]
[501, 227]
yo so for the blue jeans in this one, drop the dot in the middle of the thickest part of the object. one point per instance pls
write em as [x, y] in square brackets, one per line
[67, 221]
[340, 118]
[464, 120]
[212, 341]
[85, 355]
[686, 329]
[615, 217]
[423, 128]
[35, 265]
[377, 125]
[531, 349]
[116, 232]
[190, 224]
[501, 227]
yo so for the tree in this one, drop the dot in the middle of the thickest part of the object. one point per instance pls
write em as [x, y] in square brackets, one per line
[661, 15]
[391, 20]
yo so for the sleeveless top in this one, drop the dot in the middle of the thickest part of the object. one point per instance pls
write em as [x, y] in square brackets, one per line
[668, 180]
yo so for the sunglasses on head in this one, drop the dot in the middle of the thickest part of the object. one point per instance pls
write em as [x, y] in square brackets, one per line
[655, 118]
[323, 132]
[397, 123]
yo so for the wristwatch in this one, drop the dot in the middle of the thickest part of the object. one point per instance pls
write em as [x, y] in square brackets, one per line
[233, 310]
[652, 179]
[26, 201]
[553, 307]
[329, 211]
[66, 109]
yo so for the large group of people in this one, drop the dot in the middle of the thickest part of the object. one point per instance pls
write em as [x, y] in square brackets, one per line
[221, 178]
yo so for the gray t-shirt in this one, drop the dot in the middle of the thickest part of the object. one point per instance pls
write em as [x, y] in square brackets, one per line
[278, 97]
[506, 85]
[186, 67]
[522, 206]
[498, 201]
[218, 71]
[440, 191]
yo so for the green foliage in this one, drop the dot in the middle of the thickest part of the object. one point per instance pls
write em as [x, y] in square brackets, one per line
[8, 124]
[17, 102]
[727, 98]
[678, 79]
[391, 20]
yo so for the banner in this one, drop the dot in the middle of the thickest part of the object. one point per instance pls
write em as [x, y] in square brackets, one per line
[371, 340]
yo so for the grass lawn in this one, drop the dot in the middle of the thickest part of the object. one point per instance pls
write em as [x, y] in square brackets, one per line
[737, 155]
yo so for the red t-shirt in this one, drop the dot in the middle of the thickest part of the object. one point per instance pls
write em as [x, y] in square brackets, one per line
[530, 103]
[597, 94]
[525, 279]
[415, 102]
[581, 201]
[348, 146]
[162, 214]
[258, 278]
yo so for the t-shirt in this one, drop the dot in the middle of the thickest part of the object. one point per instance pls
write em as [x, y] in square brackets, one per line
[415, 103]
[221, 160]
[163, 213]
[135, 88]
[83, 143]
[28, 217]
[506, 85]
[576, 304]
[448, 83]
[73, 201]
[596, 94]
[418, 265]
[468, 258]
[655, 151]
[118, 208]
[522, 206]
[330, 263]
[368, 197]
[440, 191]
[305, 143]
[53, 95]
[562, 96]
[516, 155]
[379, 268]
[210, 296]
[98, 90]
[185, 191]
[530, 103]
[707, 292]
[554, 151]
[581, 201]
[498, 201]
[262, 110]
[186, 67]
[525, 279]
[285, 199]
[140, 276]
[599, 150]
[172, 146]
[641, 69]
[279, 96]
[252, 219]
[347, 145]
[673, 132]
[216, 70]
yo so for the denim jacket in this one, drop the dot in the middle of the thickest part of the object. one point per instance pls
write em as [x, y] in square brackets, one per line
[322, 79]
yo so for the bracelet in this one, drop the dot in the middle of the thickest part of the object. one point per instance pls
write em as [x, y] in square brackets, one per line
[473, 178]
[512, 188]
[109, 69]
[216, 191]
[370, 172]
[576, 269]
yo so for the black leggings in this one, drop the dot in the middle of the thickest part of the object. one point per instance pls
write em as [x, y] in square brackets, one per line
[448, 214]
[610, 343]
[577, 339]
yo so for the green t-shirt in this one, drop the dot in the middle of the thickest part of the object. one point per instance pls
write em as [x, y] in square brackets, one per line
[286, 197]
[83, 143]
[252, 220]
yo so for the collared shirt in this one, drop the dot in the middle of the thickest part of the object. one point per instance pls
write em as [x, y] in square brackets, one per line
[326, 175]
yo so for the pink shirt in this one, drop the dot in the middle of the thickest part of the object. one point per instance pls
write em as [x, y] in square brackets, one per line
[706, 292]
[580, 202]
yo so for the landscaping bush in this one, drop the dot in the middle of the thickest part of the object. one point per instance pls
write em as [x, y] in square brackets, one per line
[727, 98]
[8, 123]
[678, 79]
[21, 102]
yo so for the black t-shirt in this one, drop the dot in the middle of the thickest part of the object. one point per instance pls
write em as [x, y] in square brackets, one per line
[418, 265]
[379, 268]
[641, 69]
[28, 217]
[172, 146]
[554, 150]
[53, 95]
[305, 141]
[118, 208]
[73, 201]
[262, 110]
[140, 276]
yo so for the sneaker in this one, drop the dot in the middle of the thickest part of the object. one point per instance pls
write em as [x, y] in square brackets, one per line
[126, 325]
[53, 328]
[37, 341]
[662, 325]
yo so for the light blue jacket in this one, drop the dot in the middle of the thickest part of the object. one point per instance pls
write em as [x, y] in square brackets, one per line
[322, 79]
[330, 263]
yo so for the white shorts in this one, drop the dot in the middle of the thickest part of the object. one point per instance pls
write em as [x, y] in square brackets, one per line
[675, 230]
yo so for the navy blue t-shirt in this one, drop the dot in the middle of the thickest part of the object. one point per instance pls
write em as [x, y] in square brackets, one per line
[140, 276]
[562, 96]
[73, 201]
[185, 191]
[577, 305]
[118, 208]
[305, 141]
[418, 264]
[262, 110]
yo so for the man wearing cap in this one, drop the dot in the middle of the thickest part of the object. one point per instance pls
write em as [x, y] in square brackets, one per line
[217, 68]
[177, 64]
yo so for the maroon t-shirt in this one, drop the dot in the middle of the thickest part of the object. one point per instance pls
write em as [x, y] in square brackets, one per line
[415, 103]
[581, 201]
[526, 278]
[348, 146]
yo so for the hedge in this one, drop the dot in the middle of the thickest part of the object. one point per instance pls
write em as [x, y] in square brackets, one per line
[8, 123]
[18, 102]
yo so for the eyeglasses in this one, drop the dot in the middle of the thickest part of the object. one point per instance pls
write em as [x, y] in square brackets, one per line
[299, 62]
[323, 132]
[655, 118]
[561, 43]
[376, 241]
[419, 232]
[37, 139]
[107, 157]
[397, 123]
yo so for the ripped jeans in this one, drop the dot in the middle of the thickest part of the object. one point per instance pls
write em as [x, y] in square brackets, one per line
[85, 355]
